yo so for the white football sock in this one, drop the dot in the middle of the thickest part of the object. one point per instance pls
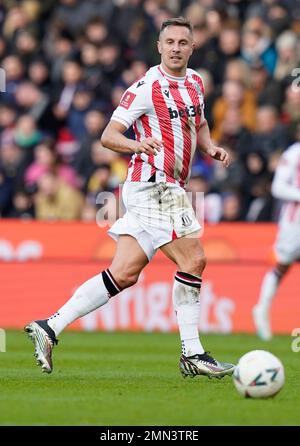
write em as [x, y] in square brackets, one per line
[186, 301]
[268, 290]
[91, 295]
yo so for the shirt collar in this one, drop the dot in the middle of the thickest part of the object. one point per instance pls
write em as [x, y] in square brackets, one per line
[169, 76]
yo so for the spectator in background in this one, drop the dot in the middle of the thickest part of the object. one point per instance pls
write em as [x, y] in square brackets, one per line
[291, 105]
[210, 93]
[46, 159]
[13, 163]
[100, 180]
[27, 46]
[95, 122]
[100, 156]
[111, 63]
[56, 200]
[231, 178]
[39, 75]
[22, 206]
[59, 47]
[229, 42]
[92, 72]
[14, 74]
[96, 31]
[8, 118]
[76, 15]
[206, 204]
[288, 59]
[67, 146]
[255, 178]
[89, 210]
[233, 134]
[257, 44]
[237, 70]
[31, 100]
[27, 135]
[270, 134]
[266, 89]
[72, 77]
[83, 101]
[231, 207]
[234, 96]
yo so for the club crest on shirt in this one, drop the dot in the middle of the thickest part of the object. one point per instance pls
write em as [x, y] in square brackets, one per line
[186, 220]
[127, 99]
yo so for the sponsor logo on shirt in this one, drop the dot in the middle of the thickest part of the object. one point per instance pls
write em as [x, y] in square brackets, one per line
[189, 111]
[127, 99]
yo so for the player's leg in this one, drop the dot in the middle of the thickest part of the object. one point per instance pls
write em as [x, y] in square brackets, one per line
[189, 257]
[261, 311]
[92, 294]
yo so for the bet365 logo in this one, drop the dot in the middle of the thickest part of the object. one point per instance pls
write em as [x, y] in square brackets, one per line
[189, 111]
[2, 341]
[296, 342]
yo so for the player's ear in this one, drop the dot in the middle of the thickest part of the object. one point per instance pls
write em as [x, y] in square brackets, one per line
[193, 47]
[159, 46]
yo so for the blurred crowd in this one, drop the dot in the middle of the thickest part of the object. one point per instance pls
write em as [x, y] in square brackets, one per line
[68, 62]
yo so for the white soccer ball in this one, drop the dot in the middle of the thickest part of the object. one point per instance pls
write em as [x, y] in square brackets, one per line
[258, 374]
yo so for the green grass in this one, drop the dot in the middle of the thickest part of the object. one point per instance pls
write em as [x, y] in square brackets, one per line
[133, 379]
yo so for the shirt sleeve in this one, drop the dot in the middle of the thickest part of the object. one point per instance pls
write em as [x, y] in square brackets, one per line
[135, 102]
[201, 92]
[281, 186]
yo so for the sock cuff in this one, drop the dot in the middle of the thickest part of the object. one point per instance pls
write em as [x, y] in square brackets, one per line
[277, 273]
[188, 279]
[110, 284]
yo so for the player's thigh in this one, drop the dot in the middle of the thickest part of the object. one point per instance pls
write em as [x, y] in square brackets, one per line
[187, 253]
[129, 260]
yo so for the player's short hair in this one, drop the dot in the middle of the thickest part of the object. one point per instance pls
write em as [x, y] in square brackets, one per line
[176, 21]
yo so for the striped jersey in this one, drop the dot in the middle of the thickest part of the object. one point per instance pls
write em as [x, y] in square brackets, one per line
[167, 108]
[286, 184]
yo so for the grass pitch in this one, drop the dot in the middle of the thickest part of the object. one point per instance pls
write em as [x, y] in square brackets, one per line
[130, 379]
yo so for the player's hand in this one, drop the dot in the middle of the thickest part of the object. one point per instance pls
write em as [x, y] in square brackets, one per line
[149, 146]
[219, 154]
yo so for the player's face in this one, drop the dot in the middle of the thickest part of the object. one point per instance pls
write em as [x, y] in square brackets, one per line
[175, 46]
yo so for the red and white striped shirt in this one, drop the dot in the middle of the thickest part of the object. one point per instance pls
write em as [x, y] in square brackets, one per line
[167, 108]
[286, 184]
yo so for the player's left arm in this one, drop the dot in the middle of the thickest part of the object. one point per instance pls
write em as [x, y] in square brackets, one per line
[207, 146]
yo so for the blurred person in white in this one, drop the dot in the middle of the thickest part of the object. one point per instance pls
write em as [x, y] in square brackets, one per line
[285, 187]
[288, 59]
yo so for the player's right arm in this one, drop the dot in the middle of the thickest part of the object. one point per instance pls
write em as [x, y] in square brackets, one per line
[282, 188]
[114, 139]
[135, 102]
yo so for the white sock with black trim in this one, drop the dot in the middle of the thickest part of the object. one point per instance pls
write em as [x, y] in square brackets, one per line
[91, 295]
[186, 301]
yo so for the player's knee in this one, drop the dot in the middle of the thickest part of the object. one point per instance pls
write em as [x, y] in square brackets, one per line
[126, 279]
[195, 265]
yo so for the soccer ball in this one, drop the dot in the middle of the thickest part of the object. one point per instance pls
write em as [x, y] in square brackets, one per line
[258, 374]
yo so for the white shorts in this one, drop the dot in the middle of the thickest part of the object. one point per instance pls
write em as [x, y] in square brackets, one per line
[156, 213]
[287, 245]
